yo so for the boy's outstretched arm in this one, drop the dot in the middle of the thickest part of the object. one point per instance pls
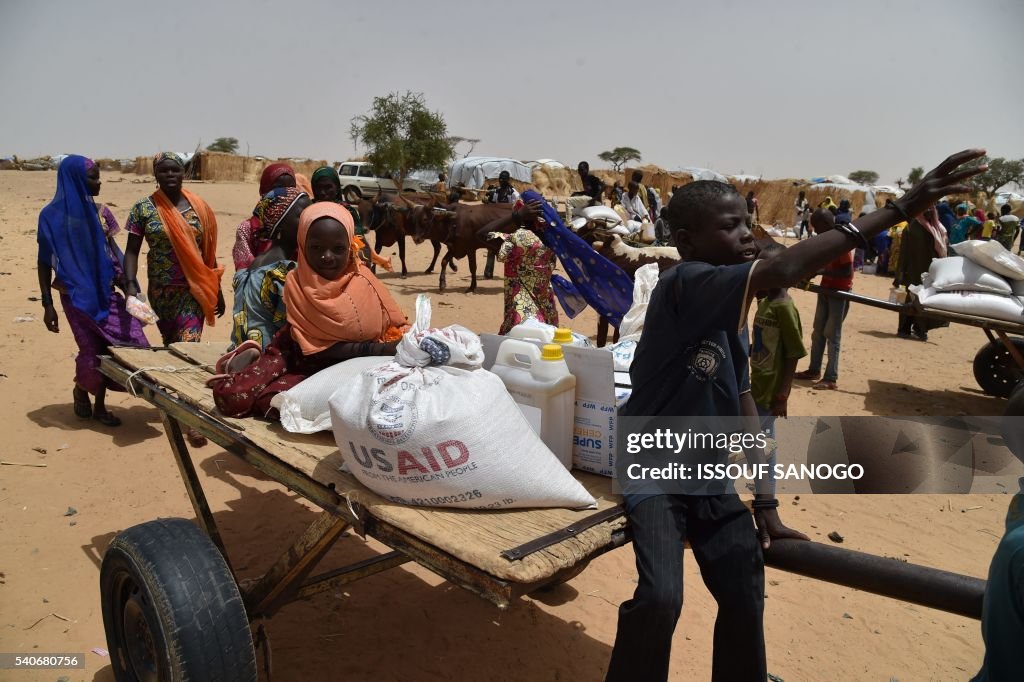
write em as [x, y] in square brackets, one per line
[769, 525]
[804, 259]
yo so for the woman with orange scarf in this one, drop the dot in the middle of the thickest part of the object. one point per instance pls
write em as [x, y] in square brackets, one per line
[181, 231]
[337, 308]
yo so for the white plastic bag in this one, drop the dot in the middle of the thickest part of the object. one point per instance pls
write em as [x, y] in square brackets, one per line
[644, 281]
[957, 273]
[994, 256]
[433, 428]
[140, 310]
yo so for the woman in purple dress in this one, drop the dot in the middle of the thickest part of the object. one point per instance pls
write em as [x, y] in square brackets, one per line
[76, 245]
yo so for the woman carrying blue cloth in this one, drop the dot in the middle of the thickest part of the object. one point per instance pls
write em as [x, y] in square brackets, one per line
[74, 245]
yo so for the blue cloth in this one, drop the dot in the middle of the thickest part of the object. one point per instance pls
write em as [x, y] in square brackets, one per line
[601, 283]
[72, 241]
[946, 215]
[569, 296]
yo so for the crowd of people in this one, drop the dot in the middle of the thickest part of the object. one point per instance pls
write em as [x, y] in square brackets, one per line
[304, 299]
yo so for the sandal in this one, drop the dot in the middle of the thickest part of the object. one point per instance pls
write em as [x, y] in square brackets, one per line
[807, 375]
[222, 363]
[107, 418]
[195, 439]
[825, 385]
[83, 408]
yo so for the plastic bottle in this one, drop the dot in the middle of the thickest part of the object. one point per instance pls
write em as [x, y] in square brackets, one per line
[540, 382]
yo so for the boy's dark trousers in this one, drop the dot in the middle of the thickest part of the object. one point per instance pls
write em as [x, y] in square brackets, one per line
[724, 541]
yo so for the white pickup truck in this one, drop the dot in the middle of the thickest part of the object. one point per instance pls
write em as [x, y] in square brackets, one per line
[359, 176]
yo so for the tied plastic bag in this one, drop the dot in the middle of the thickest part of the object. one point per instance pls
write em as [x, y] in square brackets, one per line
[433, 428]
[140, 310]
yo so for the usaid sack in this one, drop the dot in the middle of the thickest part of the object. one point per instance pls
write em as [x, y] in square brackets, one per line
[433, 428]
[304, 408]
[957, 273]
[994, 256]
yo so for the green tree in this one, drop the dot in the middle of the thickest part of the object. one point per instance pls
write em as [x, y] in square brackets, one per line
[402, 135]
[1000, 172]
[620, 156]
[864, 177]
[915, 175]
[229, 145]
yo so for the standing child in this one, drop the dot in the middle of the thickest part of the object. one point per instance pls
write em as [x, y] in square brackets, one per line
[692, 361]
[1009, 226]
[776, 347]
[831, 311]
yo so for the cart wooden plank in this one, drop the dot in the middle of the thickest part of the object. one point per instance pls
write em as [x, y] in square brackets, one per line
[476, 537]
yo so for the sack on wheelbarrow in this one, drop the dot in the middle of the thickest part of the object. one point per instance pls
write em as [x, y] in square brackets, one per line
[434, 428]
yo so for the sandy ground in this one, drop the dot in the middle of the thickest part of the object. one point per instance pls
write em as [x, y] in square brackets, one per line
[407, 624]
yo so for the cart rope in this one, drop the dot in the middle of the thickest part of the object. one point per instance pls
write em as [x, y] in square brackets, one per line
[169, 369]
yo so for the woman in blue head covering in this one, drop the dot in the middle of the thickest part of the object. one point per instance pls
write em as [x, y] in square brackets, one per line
[75, 244]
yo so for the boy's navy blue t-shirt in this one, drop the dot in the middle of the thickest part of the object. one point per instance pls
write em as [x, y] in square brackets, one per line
[692, 358]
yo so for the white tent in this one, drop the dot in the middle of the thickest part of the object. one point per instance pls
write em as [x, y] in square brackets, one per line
[474, 171]
[550, 163]
[703, 173]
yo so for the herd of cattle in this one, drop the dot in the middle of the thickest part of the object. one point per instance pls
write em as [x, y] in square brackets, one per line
[427, 217]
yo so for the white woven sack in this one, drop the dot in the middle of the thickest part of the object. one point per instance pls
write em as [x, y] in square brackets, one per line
[994, 256]
[446, 435]
[601, 214]
[304, 408]
[975, 303]
[957, 273]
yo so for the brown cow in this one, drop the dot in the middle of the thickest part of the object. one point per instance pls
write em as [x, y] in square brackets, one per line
[408, 216]
[462, 224]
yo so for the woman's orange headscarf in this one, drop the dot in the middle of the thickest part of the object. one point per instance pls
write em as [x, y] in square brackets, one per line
[199, 267]
[355, 307]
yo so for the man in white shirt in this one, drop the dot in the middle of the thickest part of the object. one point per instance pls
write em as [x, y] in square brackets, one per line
[633, 204]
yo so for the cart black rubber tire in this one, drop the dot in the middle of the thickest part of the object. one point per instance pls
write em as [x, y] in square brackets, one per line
[171, 609]
[995, 370]
[1015, 407]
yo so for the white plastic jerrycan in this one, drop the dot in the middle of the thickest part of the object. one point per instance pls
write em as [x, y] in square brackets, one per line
[540, 382]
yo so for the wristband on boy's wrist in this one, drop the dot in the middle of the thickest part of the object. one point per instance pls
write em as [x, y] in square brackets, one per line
[851, 230]
[771, 503]
[899, 210]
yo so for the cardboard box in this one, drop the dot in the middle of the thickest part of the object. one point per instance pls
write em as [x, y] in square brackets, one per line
[599, 392]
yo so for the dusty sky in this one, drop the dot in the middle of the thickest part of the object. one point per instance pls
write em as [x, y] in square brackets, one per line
[789, 88]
